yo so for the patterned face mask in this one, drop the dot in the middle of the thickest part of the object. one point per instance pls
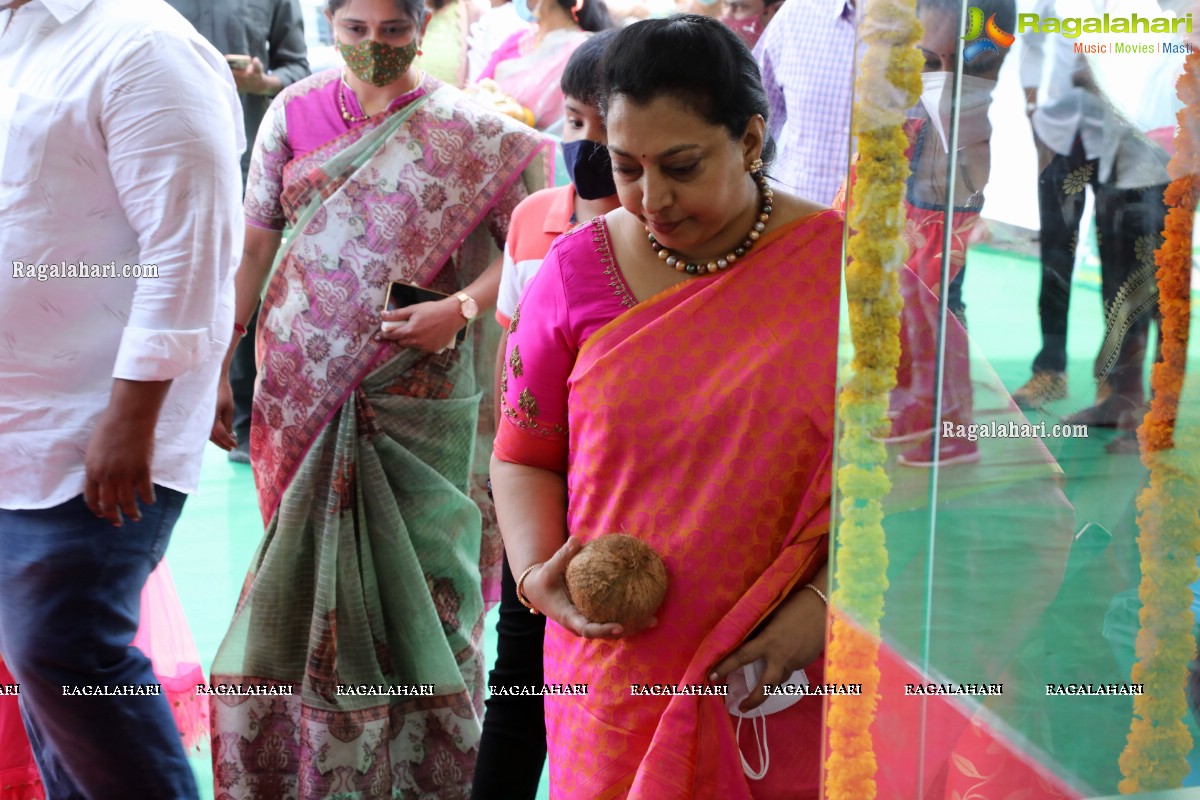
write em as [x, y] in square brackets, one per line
[376, 63]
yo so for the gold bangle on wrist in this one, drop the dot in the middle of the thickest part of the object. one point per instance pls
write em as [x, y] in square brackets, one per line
[820, 594]
[521, 587]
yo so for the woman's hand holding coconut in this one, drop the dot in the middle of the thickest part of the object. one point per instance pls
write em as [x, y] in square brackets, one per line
[540, 552]
[546, 590]
[791, 638]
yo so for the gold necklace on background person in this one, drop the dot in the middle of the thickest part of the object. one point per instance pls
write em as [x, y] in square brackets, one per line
[346, 87]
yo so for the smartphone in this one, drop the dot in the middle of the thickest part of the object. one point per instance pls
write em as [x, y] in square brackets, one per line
[403, 293]
[238, 62]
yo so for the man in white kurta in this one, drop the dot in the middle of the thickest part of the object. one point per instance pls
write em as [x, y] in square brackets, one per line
[120, 132]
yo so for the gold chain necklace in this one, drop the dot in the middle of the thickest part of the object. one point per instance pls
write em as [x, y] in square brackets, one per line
[346, 115]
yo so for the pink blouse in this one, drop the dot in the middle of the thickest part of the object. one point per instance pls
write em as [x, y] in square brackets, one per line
[579, 289]
[304, 117]
[509, 48]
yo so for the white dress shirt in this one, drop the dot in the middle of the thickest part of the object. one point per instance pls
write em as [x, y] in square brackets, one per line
[1066, 111]
[120, 132]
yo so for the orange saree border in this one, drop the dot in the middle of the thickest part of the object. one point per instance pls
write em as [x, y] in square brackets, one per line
[650, 303]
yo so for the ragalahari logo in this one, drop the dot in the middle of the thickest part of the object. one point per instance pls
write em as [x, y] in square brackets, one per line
[994, 37]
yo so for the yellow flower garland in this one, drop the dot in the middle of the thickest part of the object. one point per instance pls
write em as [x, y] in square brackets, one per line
[888, 84]
[1155, 755]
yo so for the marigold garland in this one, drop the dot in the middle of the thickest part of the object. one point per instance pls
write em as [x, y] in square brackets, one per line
[888, 84]
[1155, 755]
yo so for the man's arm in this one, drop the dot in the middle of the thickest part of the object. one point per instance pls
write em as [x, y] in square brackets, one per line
[289, 54]
[121, 449]
[1032, 66]
[176, 177]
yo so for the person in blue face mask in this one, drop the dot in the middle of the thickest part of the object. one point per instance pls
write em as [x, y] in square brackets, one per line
[542, 216]
[513, 748]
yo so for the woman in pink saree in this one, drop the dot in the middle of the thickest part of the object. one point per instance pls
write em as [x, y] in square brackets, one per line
[355, 650]
[529, 64]
[679, 387]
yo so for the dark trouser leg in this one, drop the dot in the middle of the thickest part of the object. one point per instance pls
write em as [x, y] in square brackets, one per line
[70, 589]
[512, 751]
[1060, 213]
[1130, 223]
[954, 297]
[242, 374]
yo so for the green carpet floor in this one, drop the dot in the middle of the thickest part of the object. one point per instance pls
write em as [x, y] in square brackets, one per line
[221, 528]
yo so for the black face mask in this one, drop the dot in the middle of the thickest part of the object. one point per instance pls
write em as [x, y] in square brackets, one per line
[590, 169]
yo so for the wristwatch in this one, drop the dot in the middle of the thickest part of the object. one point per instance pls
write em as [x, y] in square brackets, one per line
[467, 305]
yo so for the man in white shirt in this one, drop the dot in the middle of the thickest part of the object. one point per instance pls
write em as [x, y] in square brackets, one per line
[120, 132]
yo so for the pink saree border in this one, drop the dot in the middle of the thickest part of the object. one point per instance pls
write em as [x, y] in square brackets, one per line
[672, 293]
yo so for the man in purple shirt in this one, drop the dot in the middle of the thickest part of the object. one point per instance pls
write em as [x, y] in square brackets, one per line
[807, 59]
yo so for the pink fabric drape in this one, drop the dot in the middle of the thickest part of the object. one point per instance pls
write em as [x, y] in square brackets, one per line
[732, 492]
[530, 72]
[164, 636]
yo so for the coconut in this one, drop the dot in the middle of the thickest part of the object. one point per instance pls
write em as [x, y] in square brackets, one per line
[617, 578]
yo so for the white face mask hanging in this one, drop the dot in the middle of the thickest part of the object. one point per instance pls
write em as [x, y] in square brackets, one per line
[937, 95]
[740, 684]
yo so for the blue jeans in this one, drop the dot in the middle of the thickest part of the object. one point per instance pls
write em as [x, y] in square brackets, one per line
[70, 591]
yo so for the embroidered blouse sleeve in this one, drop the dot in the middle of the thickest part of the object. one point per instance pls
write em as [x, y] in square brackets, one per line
[541, 354]
[264, 181]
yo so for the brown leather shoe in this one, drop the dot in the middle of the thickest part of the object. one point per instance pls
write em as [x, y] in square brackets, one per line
[1044, 387]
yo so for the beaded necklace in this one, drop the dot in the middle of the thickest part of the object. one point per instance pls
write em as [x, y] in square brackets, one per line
[681, 264]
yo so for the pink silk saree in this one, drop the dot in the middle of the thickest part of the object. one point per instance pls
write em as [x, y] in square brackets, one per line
[532, 76]
[701, 420]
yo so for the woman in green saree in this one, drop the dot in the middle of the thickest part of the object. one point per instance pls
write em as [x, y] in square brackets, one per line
[360, 621]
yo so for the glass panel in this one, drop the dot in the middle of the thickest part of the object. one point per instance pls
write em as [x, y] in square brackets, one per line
[1029, 317]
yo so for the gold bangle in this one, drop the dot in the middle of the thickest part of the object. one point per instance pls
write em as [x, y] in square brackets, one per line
[521, 587]
[820, 594]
